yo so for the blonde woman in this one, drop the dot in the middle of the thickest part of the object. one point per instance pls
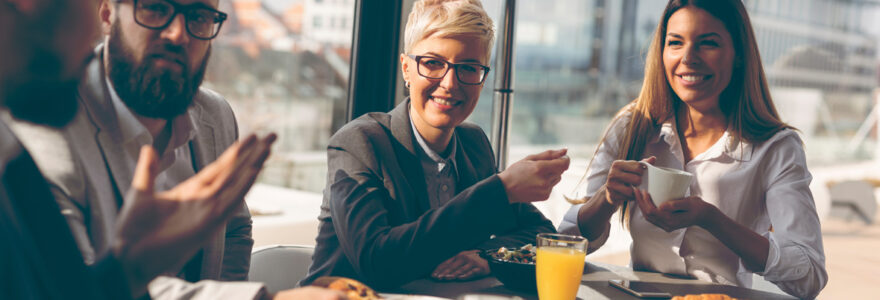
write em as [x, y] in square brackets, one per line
[705, 108]
[414, 193]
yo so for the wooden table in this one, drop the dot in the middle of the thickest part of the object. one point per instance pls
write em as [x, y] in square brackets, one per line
[594, 285]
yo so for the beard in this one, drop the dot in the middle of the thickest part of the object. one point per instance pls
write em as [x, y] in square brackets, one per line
[42, 94]
[150, 92]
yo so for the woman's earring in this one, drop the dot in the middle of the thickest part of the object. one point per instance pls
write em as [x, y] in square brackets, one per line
[406, 84]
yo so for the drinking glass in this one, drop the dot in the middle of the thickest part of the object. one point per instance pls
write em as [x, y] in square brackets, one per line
[559, 265]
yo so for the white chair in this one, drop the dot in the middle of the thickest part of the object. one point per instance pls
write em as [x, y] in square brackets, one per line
[280, 267]
[854, 197]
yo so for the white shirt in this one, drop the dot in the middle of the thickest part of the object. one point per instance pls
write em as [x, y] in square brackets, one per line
[755, 185]
[175, 163]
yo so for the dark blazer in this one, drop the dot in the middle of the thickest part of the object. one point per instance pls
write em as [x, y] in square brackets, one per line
[376, 224]
[39, 258]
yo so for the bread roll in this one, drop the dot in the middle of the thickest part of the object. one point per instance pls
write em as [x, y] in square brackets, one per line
[353, 289]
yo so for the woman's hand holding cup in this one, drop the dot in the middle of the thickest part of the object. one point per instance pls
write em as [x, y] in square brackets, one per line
[622, 177]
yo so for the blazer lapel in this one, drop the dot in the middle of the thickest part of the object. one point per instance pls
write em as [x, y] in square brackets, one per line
[204, 149]
[96, 101]
[401, 128]
[402, 131]
[204, 146]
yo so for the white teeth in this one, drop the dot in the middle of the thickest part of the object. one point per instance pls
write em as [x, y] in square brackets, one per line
[443, 101]
[693, 78]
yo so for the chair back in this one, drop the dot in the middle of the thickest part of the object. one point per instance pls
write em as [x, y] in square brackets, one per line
[280, 267]
[854, 198]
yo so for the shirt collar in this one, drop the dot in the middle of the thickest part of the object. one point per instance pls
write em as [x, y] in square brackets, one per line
[668, 133]
[727, 145]
[134, 132]
[434, 156]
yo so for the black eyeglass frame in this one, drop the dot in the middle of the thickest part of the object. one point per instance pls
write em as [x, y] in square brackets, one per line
[449, 66]
[178, 9]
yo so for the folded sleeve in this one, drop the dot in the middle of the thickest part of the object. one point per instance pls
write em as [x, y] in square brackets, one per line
[569, 224]
[597, 174]
[796, 259]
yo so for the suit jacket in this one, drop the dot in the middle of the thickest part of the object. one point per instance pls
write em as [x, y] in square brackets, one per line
[376, 224]
[39, 258]
[89, 172]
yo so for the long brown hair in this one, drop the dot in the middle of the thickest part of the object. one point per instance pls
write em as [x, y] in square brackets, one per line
[746, 101]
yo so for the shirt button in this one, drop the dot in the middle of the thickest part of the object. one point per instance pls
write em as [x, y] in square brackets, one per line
[444, 187]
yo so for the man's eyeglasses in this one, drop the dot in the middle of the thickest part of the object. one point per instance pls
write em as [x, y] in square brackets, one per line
[202, 22]
[436, 68]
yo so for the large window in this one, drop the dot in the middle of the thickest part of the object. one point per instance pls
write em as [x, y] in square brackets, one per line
[284, 65]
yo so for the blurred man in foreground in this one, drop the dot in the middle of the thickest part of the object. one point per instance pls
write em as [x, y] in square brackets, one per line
[44, 47]
[144, 89]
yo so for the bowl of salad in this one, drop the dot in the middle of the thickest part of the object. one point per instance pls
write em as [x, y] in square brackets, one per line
[514, 267]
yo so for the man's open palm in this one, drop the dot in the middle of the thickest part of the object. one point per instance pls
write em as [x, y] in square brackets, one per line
[159, 232]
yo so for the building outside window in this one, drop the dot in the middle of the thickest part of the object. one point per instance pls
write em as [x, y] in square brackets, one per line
[284, 68]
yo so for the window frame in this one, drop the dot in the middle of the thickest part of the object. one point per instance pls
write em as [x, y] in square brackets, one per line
[375, 46]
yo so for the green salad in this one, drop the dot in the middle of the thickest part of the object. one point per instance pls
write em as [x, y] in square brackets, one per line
[524, 255]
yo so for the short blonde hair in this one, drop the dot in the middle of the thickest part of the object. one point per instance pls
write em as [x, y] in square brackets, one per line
[445, 18]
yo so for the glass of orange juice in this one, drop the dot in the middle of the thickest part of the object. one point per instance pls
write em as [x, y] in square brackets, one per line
[559, 265]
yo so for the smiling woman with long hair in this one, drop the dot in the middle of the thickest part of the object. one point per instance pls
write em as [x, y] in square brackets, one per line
[705, 108]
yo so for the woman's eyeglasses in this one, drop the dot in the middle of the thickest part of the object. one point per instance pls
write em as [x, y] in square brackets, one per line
[436, 68]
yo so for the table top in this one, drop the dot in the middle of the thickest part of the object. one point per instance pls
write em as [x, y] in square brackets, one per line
[594, 285]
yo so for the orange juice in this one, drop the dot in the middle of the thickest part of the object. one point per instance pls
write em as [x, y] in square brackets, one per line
[558, 271]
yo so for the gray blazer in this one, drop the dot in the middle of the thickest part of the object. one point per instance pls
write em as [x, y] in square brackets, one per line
[376, 224]
[39, 257]
[89, 173]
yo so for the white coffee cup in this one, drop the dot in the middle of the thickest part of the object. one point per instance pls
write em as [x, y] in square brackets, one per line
[665, 184]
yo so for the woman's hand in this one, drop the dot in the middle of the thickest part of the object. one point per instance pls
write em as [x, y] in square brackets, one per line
[679, 213]
[675, 214]
[463, 266]
[622, 177]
